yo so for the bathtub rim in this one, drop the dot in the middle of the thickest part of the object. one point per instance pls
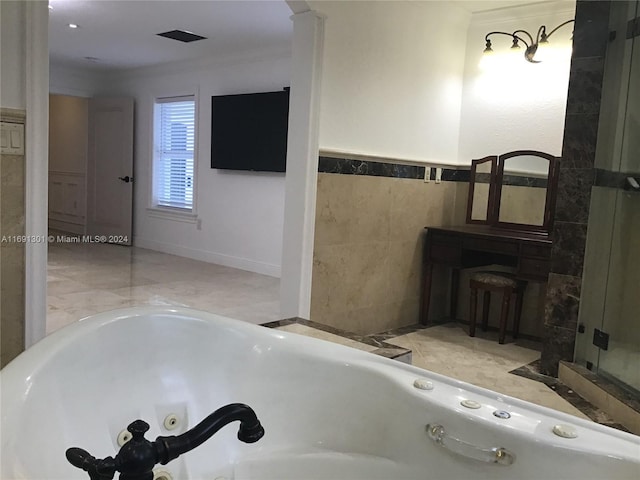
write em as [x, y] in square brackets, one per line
[47, 348]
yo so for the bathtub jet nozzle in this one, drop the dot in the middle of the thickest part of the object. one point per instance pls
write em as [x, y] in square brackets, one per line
[137, 458]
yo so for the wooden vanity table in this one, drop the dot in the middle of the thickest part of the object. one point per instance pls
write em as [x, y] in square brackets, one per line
[498, 188]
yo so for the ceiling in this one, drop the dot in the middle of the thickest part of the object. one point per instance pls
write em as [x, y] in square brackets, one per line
[122, 34]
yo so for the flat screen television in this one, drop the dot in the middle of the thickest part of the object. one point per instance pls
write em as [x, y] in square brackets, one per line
[249, 131]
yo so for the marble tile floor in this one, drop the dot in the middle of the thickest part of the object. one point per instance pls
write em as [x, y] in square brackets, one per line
[447, 349]
[84, 279]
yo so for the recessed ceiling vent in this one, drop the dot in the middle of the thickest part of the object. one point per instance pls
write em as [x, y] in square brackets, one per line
[181, 36]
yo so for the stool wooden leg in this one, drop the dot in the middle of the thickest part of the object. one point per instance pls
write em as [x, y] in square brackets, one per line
[473, 296]
[504, 314]
[486, 303]
[455, 284]
[518, 312]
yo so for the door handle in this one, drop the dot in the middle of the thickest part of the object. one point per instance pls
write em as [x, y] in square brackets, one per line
[126, 179]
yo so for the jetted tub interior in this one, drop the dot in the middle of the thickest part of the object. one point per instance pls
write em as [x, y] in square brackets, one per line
[329, 412]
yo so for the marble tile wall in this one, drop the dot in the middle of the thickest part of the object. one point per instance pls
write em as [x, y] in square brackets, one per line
[368, 244]
[345, 236]
[576, 178]
[12, 266]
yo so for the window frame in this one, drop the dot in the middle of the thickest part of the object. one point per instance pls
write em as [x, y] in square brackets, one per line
[166, 211]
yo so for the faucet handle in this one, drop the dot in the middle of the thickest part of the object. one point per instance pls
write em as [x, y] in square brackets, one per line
[80, 458]
[138, 428]
[137, 457]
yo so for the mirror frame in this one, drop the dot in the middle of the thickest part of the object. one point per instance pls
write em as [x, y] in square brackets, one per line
[550, 199]
[495, 192]
[492, 187]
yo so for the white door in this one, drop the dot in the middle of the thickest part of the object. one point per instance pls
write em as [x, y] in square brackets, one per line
[110, 170]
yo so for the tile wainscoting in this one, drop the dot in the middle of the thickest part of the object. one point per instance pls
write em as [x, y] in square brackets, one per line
[12, 260]
[370, 216]
[370, 219]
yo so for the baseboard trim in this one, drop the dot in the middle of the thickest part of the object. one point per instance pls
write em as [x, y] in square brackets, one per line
[67, 227]
[210, 257]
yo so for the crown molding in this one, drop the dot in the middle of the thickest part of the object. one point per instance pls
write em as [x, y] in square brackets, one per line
[524, 12]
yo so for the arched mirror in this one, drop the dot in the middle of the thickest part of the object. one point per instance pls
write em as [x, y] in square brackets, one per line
[515, 191]
[526, 184]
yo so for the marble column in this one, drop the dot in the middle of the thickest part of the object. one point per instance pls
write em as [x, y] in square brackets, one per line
[577, 173]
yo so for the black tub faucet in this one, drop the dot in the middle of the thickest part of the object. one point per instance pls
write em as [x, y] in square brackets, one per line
[137, 457]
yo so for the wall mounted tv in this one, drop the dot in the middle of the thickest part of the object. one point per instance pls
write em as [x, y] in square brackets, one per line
[249, 131]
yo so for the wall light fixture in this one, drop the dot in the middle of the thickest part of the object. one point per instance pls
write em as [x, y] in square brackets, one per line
[532, 45]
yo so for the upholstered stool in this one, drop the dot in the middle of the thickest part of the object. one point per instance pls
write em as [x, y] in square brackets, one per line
[496, 282]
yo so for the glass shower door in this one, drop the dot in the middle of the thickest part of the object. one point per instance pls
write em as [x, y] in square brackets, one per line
[621, 319]
[609, 322]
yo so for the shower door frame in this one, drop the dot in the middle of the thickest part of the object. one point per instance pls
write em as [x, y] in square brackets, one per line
[603, 289]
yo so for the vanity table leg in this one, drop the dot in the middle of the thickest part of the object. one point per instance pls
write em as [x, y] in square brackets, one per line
[453, 301]
[427, 270]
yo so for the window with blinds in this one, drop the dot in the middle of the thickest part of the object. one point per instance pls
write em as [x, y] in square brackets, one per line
[174, 152]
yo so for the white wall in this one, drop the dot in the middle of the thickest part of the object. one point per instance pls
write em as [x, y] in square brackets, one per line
[240, 213]
[508, 103]
[75, 82]
[392, 78]
[12, 49]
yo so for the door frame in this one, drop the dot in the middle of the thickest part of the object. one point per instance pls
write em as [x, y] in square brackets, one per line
[36, 168]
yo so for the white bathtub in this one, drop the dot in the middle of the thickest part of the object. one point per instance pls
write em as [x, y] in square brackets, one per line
[329, 412]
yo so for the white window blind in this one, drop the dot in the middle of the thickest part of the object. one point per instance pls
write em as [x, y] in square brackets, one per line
[175, 141]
